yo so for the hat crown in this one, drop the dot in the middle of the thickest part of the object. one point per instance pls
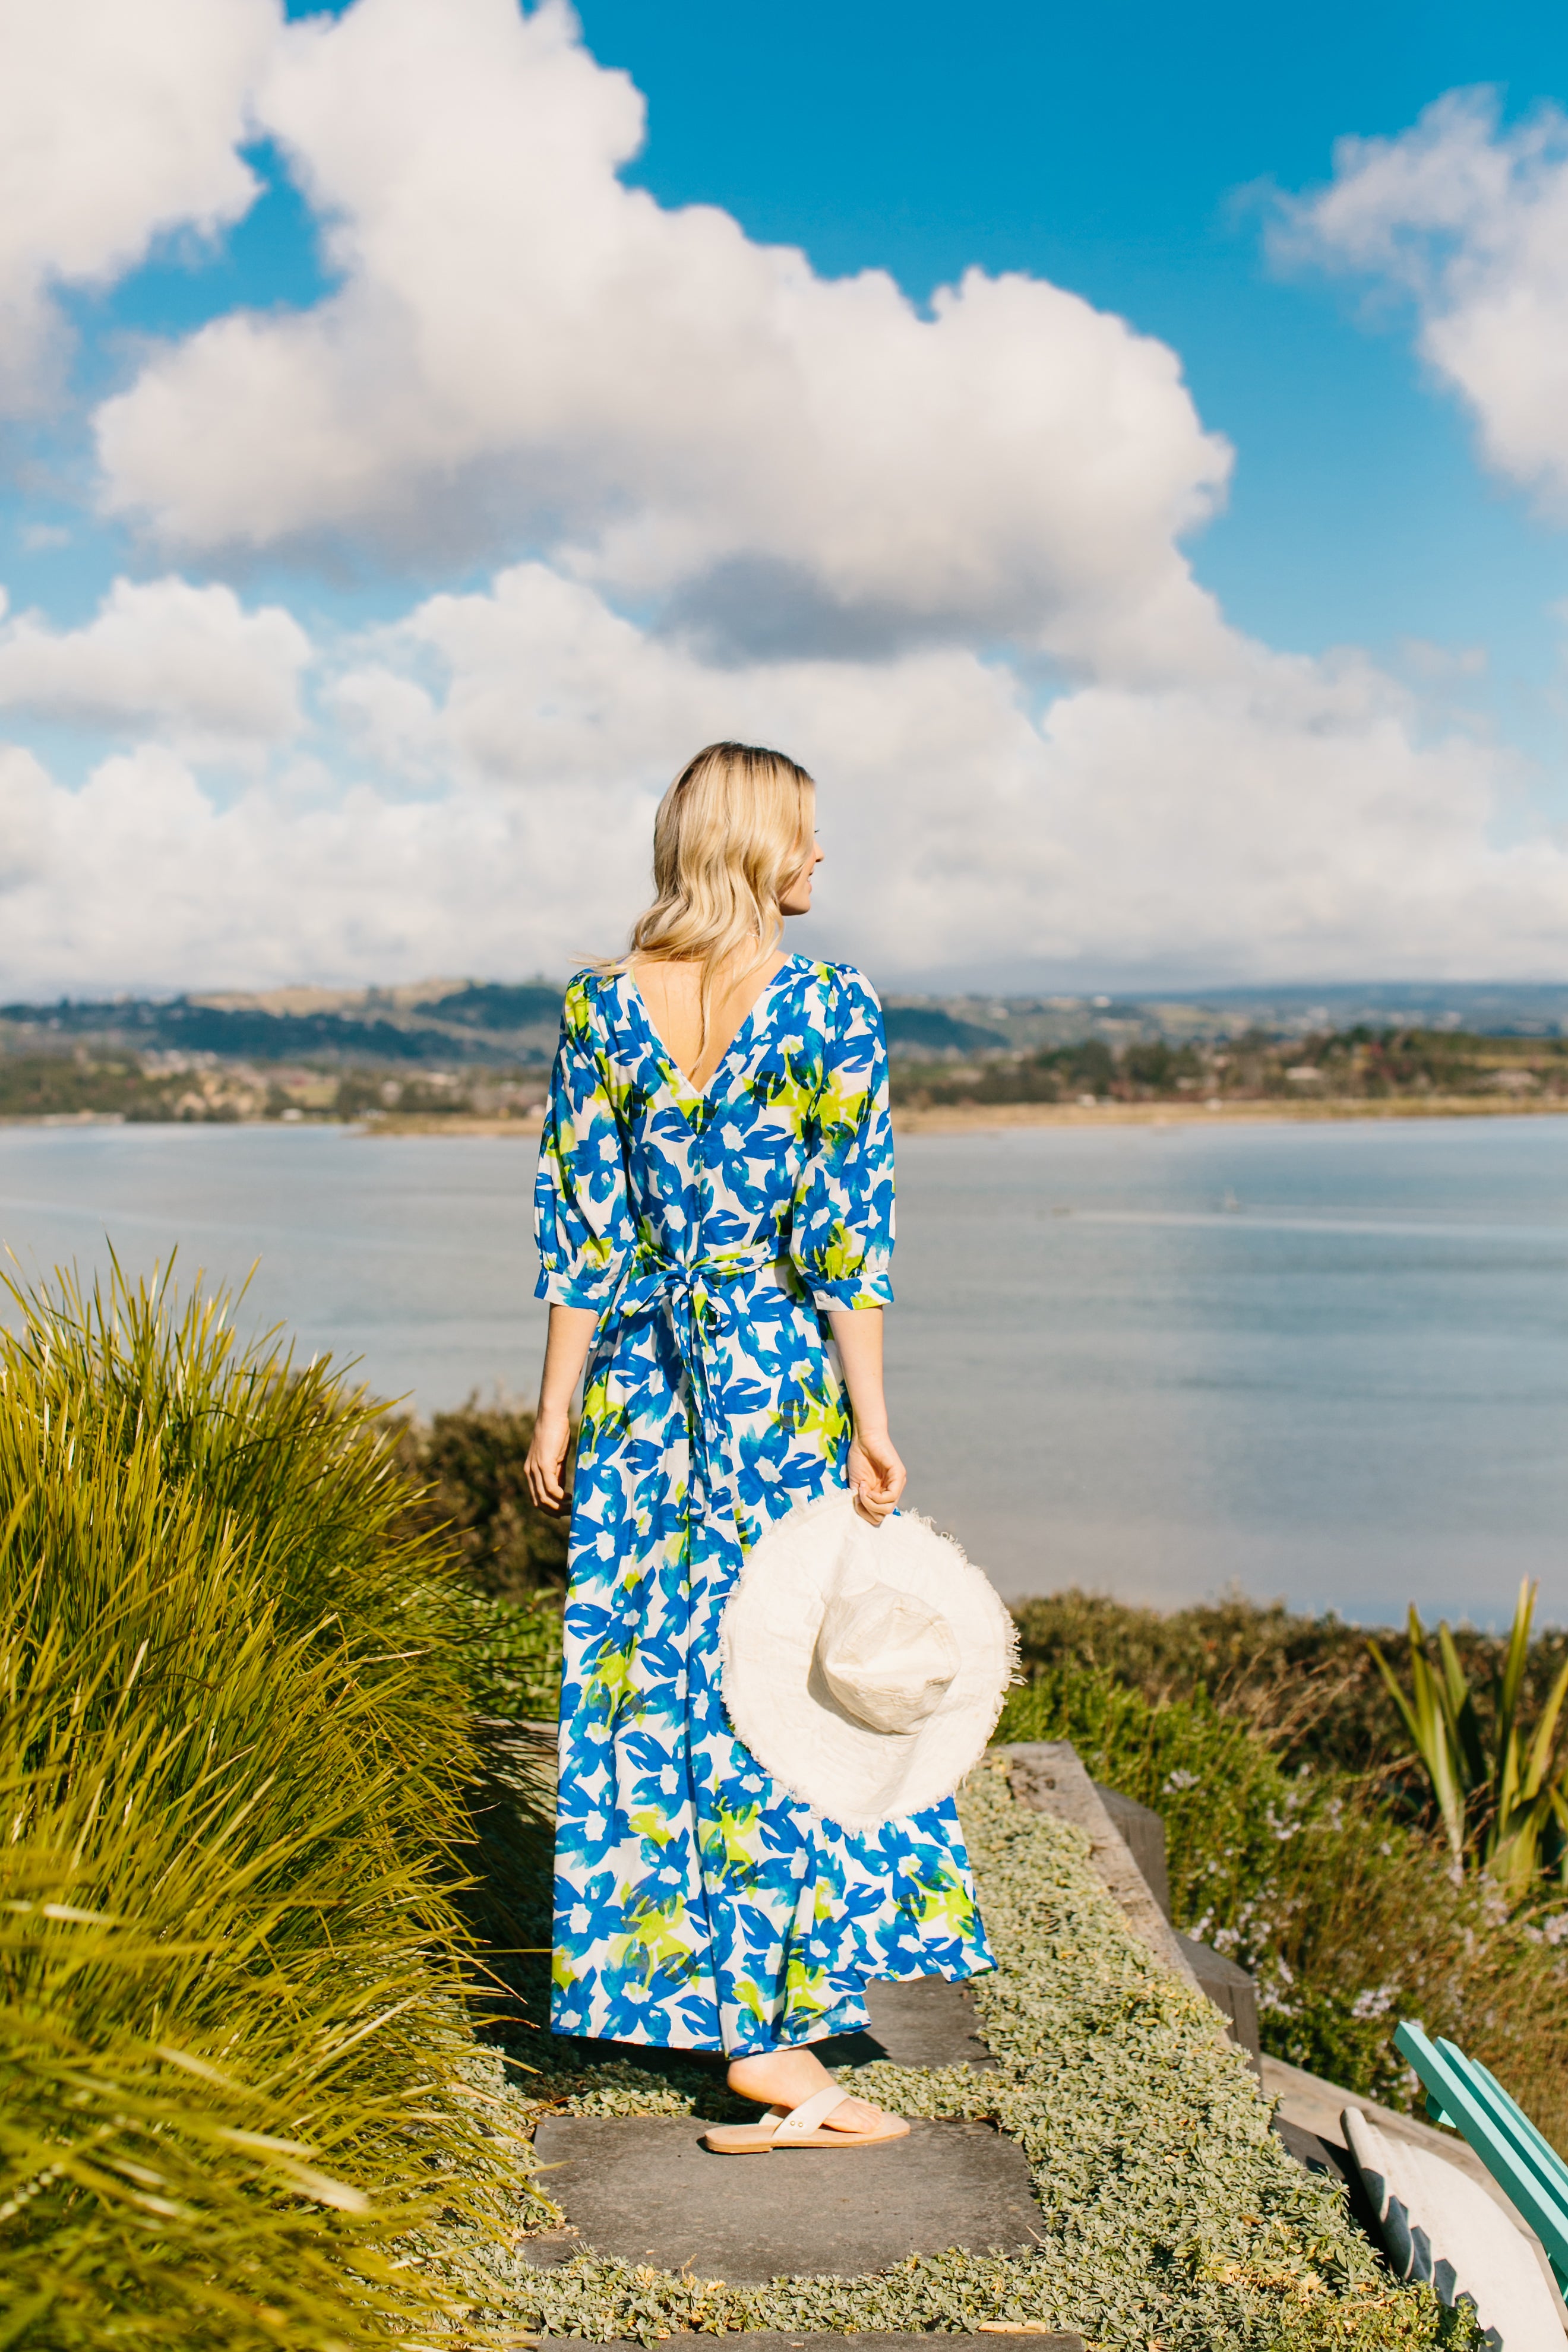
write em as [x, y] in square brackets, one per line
[887, 1658]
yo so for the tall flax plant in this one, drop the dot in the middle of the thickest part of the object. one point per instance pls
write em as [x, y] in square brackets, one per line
[232, 1753]
[1491, 1776]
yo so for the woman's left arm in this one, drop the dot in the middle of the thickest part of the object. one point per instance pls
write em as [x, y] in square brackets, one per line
[877, 1475]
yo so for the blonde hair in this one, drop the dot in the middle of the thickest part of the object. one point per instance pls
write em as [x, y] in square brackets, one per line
[730, 835]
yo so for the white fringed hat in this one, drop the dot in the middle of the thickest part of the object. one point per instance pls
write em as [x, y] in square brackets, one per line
[864, 1667]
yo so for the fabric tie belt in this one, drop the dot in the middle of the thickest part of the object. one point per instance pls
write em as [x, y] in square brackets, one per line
[691, 1291]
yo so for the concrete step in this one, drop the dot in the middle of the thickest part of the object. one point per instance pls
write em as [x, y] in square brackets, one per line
[927, 2022]
[642, 2189]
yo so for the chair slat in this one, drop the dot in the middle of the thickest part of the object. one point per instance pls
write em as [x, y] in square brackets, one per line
[1548, 2155]
[1524, 2164]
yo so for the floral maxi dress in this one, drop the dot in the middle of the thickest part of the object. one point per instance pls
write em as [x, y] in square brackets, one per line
[697, 1903]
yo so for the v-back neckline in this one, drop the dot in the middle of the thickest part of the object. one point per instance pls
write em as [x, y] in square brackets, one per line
[667, 1058]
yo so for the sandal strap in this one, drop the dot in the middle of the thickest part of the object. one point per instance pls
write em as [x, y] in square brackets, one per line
[810, 2112]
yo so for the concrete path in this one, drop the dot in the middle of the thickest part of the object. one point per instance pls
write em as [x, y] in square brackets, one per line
[927, 2024]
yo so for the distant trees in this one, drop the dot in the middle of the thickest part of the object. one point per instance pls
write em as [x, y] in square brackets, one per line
[1357, 1063]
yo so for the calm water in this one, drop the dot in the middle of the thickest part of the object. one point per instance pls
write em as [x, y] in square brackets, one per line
[1325, 1362]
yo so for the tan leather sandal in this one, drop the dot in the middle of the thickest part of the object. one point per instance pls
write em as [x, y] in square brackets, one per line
[800, 2127]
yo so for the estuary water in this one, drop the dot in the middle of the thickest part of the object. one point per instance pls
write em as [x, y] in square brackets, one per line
[1326, 1363]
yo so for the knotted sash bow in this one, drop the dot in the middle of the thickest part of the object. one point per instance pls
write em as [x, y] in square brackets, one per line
[690, 1290]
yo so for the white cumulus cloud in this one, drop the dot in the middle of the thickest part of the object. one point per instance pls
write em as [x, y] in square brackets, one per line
[1292, 817]
[725, 497]
[477, 796]
[523, 352]
[117, 123]
[189, 661]
[1471, 220]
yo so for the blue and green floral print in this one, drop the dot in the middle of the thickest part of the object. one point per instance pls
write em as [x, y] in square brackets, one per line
[697, 1903]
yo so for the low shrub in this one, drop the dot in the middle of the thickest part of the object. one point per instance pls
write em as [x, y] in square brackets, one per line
[465, 1468]
[1309, 1684]
[239, 2086]
[1348, 1918]
[510, 1659]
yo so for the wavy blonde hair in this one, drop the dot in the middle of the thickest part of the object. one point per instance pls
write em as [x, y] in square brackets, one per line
[730, 835]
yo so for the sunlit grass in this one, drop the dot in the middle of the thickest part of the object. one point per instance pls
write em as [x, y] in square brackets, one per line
[232, 1758]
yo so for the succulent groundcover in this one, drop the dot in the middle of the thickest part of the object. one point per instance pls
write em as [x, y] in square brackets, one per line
[1171, 2218]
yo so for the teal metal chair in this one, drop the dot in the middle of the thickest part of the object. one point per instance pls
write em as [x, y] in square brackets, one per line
[1526, 2168]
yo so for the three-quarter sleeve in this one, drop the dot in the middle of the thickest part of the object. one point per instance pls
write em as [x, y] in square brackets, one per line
[841, 1229]
[582, 1217]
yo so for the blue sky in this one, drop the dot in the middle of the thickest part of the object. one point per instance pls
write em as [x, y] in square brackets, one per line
[1130, 153]
[1382, 501]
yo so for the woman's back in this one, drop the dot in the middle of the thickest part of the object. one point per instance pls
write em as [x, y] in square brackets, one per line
[788, 1150]
[672, 992]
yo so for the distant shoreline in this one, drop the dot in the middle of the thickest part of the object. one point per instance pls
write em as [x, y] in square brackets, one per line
[977, 1118]
[948, 1118]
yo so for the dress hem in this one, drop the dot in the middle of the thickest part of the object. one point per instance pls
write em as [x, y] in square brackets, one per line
[820, 2030]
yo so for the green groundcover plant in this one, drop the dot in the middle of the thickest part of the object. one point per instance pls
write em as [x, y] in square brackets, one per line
[239, 2084]
[1169, 2213]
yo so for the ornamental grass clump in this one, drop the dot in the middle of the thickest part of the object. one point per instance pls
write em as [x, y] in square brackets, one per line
[1496, 1779]
[240, 2087]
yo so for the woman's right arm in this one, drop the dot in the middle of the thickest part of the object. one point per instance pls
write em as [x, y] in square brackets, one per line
[565, 1352]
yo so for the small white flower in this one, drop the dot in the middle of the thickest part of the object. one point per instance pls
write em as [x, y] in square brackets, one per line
[1174, 1780]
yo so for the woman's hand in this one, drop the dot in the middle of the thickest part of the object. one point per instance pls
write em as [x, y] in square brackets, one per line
[547, 1460]
[566, 1348]
[877, 1476]
[876, 1473]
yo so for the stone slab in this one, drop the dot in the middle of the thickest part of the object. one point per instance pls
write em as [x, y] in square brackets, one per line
[927, 2022]
[642, 2189]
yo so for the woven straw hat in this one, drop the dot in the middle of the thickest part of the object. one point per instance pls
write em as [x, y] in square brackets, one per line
[864, 1667]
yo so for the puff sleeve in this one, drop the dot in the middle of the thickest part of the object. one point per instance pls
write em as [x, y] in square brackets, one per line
[841, 1228]
[582, 1217]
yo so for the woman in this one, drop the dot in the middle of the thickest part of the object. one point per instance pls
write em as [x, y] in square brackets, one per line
[715, 1225]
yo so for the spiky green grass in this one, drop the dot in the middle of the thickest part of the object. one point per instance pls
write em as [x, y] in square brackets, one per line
[1169, 2215]
[238, 2083]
